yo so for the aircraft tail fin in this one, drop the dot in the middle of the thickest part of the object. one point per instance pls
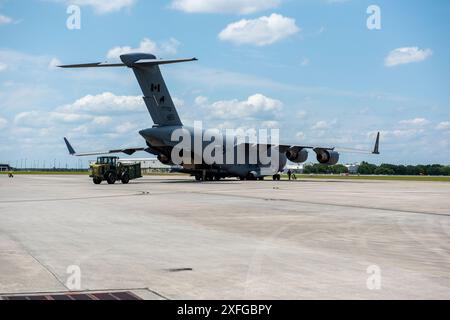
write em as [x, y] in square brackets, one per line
[376, 149]
[69, 147]
[148, 74]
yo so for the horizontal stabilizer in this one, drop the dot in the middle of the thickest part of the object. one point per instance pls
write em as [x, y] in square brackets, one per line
[93, 65]
[137, 63]
[148, 74]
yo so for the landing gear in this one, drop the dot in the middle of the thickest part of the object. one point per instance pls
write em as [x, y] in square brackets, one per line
[207, 177]
[276, 177]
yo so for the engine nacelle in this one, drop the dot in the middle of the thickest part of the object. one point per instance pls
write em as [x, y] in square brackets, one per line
[327, 157]
[297, 155]
[165, 160]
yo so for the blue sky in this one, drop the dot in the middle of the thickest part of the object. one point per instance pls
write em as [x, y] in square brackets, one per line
[311, 68]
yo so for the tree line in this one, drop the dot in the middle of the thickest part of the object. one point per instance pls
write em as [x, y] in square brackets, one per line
[366, 168]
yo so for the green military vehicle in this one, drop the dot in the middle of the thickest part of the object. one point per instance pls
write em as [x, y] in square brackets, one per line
[111, 170]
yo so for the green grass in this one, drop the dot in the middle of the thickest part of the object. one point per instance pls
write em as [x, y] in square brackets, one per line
[299, 176]
[379, 178]
[18, 173]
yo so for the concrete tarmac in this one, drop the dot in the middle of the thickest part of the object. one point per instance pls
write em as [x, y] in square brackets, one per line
[173, 238]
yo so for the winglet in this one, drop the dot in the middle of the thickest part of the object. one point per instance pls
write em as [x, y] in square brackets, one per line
[376, 149]
[69, 147]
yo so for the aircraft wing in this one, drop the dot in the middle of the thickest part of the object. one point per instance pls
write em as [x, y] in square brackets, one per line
[375, 150]
[285, 147]
[128, 151]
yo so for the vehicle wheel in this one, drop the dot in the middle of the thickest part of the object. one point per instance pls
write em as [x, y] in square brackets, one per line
[198, 178]
[111, 178]
[261, 178]
[242, 178]
[125, 179]
[251, 177]
[278, 177]
[97, 180]
[217, 178]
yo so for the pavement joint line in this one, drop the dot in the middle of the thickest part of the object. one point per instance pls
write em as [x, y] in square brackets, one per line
[322, 203]
[77, 198]
[47, 268]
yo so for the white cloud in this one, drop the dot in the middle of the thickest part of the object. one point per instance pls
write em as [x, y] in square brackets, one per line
[261, 31]
[54, 63]
[270, 124]
[443, 126]
[125, 128]
[5, 19]
[178, 102]
[301, 114]
[3, 123]
[102, 120]
[407, 55]
[105, 102]
[322, 125]
[300, 135]
[102, 6]
[418, 122]
[3, 67]
[68, 117]
[398, 135]
[256, 105]
[37, 119]
[169, 47]
[305, 62]
[200, 100]
[224, 6]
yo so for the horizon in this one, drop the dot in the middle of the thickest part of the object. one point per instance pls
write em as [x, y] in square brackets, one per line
[313, 69]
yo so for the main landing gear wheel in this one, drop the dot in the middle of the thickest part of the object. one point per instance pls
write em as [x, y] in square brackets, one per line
[276, 177]
[97, 180]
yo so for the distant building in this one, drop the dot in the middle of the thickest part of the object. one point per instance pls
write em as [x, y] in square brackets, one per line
[295, 167]
[352, 168]
[148, 165]
[5, 167]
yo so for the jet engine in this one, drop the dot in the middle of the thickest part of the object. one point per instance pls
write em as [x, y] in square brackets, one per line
[327, 157]
[297, 155]
[165, 159]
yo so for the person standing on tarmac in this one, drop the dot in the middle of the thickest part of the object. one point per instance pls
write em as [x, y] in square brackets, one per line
[289, 174]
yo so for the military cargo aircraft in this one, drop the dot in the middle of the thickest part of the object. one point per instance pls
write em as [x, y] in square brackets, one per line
[161, 143]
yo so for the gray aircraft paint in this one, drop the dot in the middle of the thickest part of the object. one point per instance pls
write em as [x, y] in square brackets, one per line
[166, 120]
